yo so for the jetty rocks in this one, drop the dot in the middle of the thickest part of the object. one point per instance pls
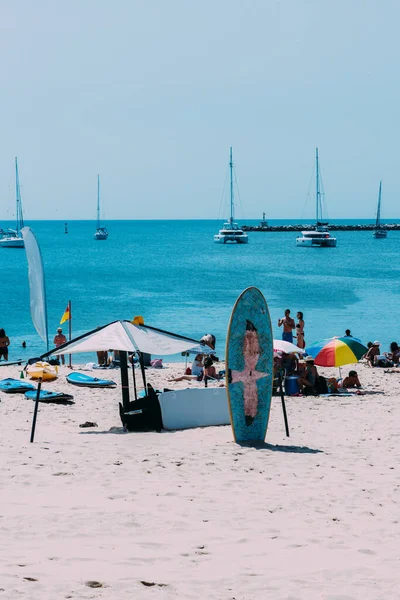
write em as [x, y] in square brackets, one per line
[311, 227]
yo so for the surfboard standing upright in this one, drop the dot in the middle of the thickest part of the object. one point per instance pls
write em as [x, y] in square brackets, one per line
[249, 365]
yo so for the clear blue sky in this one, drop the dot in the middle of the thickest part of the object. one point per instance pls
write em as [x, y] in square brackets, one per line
[151, 94]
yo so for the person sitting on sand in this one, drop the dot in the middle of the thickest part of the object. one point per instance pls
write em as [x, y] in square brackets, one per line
[209, 369]
[197, 371]
[351, 381]
[4, 343]
[309, 378]
[394, 354]
[289, 363]
[372, 352]
[197, 365]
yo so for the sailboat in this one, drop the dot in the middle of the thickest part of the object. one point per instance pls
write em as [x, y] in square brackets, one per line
[12, 238]
[320, 236]
[101, 232]
[379, 232]
[231, 231]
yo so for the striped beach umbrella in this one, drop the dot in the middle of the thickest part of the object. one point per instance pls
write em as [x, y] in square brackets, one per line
[337, 351]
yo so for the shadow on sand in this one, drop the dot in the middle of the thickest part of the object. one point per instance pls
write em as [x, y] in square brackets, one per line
[257, 445]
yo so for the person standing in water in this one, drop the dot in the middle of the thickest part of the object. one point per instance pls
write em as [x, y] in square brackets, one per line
[59, 340]
[288, 326]
[300, 330]
[4, 343]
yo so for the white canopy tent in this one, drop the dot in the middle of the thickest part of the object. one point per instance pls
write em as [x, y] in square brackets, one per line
[124, 335]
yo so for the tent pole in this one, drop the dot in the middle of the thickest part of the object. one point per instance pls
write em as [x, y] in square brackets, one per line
[134, 378]
[143, 371]
[35, 411]
[123, 355]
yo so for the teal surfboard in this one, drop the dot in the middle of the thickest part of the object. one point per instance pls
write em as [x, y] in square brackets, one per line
[249, 366]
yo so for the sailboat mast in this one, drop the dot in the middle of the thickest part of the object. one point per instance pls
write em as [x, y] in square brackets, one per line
[231, 219]
[98, 201]
[317, 190]
[378, 212]
[19, 215]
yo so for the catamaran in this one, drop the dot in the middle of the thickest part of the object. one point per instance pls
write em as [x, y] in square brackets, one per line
[231, 231]
[101, 232]
[320, 236]
[379, 232]
[12, 238]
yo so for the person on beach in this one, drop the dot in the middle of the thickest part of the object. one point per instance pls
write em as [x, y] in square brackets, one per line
[59, 340]
[351, 381]
[209, 369]
[102, 358]
[394, 354]
[347, 333]
[288, 326]
[4, 343]
[300, 331]
[197, 365]
[374, 351]
[289, 363]
[309, 378]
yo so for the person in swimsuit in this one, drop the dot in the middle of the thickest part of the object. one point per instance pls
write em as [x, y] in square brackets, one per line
[59, 340]
[288, 326]
[394, 354]
[374, 351]
[4, 343]
[309, 378]
[351, 381]
[300, 331]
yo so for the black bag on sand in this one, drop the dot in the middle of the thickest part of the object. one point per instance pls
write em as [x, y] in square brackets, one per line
[321, 386]
[143, 414]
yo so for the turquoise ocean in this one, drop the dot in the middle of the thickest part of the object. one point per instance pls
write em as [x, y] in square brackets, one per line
[177, 278]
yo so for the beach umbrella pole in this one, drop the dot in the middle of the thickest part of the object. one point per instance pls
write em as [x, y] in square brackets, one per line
[123, 356]
[134, 379]
[35, 412]
[143, 371]
[283, 404]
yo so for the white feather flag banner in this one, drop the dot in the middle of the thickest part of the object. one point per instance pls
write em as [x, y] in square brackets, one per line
[37, 287]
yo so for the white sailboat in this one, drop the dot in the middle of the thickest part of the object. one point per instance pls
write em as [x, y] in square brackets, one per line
[231, 232]
[379, 232]
[101, 232]
[320, 236]
[12, 238]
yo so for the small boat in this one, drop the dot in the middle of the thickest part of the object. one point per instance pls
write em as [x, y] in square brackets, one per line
[101, 232]
[379, 232]
[15, 386]
[50, 397]
[231, 232]
[320, 236]
[87, 381]
[42, 370]
[12, 238]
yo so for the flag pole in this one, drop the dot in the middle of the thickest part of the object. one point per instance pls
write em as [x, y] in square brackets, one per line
[70, 330]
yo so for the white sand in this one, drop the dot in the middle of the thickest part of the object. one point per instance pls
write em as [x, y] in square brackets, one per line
[315, 516]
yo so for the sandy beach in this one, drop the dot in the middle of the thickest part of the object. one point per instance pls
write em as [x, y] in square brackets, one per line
[99, 513]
